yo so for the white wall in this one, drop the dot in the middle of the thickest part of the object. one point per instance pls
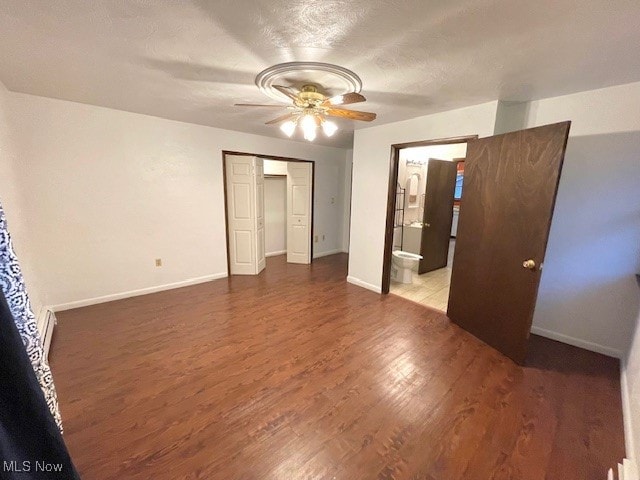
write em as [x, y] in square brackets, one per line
[345, 200]
[12, 197]
[274, 167]
[588, 290]
[440, 152]
[371, 160]
[110, 191]
[275, 215]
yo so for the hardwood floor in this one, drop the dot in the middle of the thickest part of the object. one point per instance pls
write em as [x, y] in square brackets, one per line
[296, 374]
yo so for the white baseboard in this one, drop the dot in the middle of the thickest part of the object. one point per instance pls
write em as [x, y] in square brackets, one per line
[326, 254]
[135, 293]
[315, 254]
[577, 342]
[627, 470]
[363, 284]
[629, 442]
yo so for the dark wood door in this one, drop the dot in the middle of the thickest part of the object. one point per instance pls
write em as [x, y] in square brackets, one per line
[509, 193]
[438, 215]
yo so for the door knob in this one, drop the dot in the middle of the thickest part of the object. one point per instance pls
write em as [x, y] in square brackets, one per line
[530, 264]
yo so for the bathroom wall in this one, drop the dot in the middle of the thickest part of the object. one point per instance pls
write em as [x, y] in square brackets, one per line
[405, 170]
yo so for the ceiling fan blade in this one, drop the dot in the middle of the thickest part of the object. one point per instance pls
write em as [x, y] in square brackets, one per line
[257, 105]
[346, 99]
[352, 114]
[286, 91]
[288, 116]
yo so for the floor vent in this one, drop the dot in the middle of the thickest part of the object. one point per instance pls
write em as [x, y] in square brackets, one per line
[627, 470]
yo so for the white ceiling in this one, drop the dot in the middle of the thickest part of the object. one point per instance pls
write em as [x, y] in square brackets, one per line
[191, 60]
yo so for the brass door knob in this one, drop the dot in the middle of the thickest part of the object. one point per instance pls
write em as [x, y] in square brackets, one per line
[530, 264]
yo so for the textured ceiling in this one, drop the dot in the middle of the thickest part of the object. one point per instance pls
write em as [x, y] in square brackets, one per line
[191, 60]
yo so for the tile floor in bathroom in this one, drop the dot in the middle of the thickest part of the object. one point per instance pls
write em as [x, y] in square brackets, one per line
[431, 288]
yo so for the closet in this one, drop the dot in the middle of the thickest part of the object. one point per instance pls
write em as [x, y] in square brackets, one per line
[269, 211]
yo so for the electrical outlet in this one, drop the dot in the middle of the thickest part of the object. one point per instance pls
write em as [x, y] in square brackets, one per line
[323, 238]
[333, 200]
[158, 262]
[315, 239]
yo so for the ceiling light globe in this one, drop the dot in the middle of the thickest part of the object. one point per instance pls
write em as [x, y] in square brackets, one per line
[329, 128]
[309, 125]
[288, 128]
[310, 134]
[308, 122]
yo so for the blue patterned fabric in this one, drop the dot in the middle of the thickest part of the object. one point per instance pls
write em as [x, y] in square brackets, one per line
[15, 292]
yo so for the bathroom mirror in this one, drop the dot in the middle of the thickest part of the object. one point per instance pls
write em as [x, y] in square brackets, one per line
[413, 184]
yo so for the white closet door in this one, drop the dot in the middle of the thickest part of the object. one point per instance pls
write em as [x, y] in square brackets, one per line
[242, 214]
[299, 212]
[260, 236]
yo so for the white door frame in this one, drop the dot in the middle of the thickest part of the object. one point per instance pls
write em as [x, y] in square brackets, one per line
[266, 157]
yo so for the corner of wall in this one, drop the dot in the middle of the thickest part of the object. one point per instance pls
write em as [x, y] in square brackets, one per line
[629, 388]
[13, 197]
[346, 200]
[627, 412]
[511, 116]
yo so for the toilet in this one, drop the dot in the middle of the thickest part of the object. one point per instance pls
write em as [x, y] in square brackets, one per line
[402, 263]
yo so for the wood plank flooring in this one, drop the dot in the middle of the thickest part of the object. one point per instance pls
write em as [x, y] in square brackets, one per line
[295, 374]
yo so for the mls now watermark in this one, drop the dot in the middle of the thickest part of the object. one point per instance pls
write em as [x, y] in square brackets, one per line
[28, 466]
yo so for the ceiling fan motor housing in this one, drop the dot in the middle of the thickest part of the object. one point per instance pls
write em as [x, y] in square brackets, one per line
[310, 96]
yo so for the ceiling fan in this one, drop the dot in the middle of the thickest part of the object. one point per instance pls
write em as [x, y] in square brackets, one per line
[309, 109]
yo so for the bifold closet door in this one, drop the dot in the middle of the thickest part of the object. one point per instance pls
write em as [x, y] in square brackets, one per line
[299, 201]
[260, 233]
[245, 214]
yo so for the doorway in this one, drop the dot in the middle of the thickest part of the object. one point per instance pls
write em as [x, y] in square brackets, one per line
[423, 223]
[268, 210]
[275, 213]
[507, 202]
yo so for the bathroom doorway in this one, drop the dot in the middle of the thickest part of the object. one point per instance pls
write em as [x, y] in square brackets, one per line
[425, 205]
[508, 197]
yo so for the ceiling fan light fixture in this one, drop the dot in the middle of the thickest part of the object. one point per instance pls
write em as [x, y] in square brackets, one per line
[288, 127]
[309, 102]
[329, 128]
[308, 121]
[309, 125]
[310, 135]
